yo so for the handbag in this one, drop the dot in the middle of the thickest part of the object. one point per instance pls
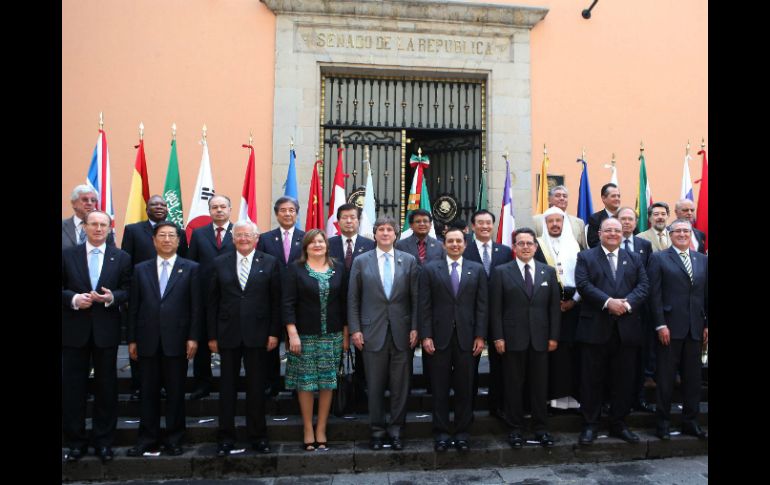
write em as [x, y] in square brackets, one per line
[344, 396]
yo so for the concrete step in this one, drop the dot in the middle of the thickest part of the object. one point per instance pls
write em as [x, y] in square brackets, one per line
[351, 456]
[355, 426]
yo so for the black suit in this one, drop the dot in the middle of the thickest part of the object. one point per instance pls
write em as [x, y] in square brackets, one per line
[701, 238]
[161, 327]
[241, 320]
[682, 305]
[302, 305]
[271, 243]
[526, 324]
[203, 250]
[434, 250]
[453, 322]
[499, 254]
[69, 234]
[91, 334]
[138, 243]
[594, 223]
[609, 342]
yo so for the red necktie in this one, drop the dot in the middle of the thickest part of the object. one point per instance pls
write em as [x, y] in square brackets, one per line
[219, 237]
[421, 250]
[349, 255]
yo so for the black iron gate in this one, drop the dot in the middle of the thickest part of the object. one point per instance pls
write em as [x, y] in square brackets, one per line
[393, 117]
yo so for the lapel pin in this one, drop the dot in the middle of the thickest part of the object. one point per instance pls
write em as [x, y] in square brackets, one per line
[469, 272]
[179, 270]
[432, 245]
[112, 259]
[624, 262]
[542, 272]
[496, 249]
[333, 271]
[276, 238]
[641, 251]
[260, 271]
[399, 260]
[360, 250]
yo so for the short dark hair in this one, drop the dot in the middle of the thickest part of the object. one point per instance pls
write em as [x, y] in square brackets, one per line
[419, 212]
[459, 224]
[658, 204]
[606, 187]
[479, 212]
[453, 228]
[162, 224]
[386, 220]
[284, 199]
[347, 207]
[524, 230]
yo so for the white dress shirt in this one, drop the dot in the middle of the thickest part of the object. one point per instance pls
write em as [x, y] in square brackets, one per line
[89, 248]
[459, 262]
[159, 265]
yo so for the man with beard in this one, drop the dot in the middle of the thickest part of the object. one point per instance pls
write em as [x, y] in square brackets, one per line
[559, 197]
[657, 233]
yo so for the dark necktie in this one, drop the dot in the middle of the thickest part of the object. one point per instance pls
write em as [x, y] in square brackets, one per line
[485, 259]
[528, 285]
[349, 255]
[421, 250]
[455, 277]
[627, 246]
[82, 233]
[219, 237]
[613, 267]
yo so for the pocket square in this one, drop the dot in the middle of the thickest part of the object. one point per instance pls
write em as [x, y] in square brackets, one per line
[544, 283]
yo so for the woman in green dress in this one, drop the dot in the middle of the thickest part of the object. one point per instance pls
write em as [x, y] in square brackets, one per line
[315, 315]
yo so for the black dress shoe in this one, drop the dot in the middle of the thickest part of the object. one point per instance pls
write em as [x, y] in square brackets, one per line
[199, 393]
[663, 432]
[515, 440]
[625, 434]
[693, 429]
[163, 393]
[224, 449]
[587, 436]
[441, 445]
[545, 439]
[173, 450]
[136, 396]
[462, 445]
[104, 453]
[396, 444]
[375, 444]
[644, 406]
[76, 454]
[136, 451]
[262, 446]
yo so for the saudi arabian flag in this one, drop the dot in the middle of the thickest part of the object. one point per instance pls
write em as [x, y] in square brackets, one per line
[417, 200]
[172, 191]
[643, 198]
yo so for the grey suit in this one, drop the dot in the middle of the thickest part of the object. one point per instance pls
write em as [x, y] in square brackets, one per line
[69, 236]
[385, 324]
[434, 250]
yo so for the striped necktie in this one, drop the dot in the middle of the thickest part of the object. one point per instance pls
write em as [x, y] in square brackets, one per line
[687, 265]
[82, 233]
[243, 274]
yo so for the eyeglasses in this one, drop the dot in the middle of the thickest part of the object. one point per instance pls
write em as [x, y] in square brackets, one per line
[685, 231]
[290, 210]
[612, 231]
[524, 244]
[247, 235]
[166, 236]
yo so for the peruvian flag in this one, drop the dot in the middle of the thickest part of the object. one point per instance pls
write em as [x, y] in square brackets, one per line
[507, 223]
[337, 198]
[702, 214]
[315, 206]
[204, 190]
[249, 194]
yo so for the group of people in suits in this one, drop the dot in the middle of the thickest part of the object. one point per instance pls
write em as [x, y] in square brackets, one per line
[235, 292]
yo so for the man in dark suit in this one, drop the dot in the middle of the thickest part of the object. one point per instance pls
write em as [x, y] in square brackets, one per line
[490, 254]
[95, 282]
[244, 318]
[164, 325]
[611, 201]
[525, 316]
[382, 319]
[679, 299]
[285, 244]
[642, 249]
[347, 247]
[614, 287]
[453, 326]
[206, 244]
[420, 244]
[84, 199]
[685, 209]
[138, 242]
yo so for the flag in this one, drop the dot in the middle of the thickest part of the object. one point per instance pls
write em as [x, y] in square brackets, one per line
[337, 198]
[136, 209]
[542, 193]
[507, 222]
[585, 205]
[99, 175]
[418, 194]
[702, 214]
[315, 206]
[290, 186]
[204, 190]
[249, 193]
[481, 200]
[686, 191]
[643, 197]
[172, 189]
[369, 213]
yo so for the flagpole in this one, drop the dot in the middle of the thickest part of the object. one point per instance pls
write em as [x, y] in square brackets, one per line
[141, 131]
[173, 131]
[205, 130]
[101, 121]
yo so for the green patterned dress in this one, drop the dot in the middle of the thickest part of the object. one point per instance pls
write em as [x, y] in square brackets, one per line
[316, 366]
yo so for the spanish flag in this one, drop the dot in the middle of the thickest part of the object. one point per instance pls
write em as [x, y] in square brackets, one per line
[136, 209]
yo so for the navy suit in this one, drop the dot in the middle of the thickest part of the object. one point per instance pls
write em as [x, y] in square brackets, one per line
[203, 250]
[642, 249]
[610, 343]
[161, 326]
[434, 250]
[498, 254]
[91, 334]
[241, 320]
[682, 305]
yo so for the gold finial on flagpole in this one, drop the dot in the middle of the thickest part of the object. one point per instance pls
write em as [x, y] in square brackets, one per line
[641, 146]
[687, 149]
[291, 143]
[173, 131]
[251, 138]
[484, 164]
[419, 152]
[583, 154]
[342, 140]
[205, 130]
[613, 160]
[545, 151]
[101, 120]
[702, 143]
[141, 131]
[505, 155]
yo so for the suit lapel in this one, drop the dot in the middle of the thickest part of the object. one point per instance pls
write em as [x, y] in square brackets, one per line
[147, 228]
[82, 265]
[107, 266]
[296, 244]
[516, 276]
[623, 259]
[375, 270]
[70, 230]
[674, 255]
[539, 276]
[604, 263]
[444, 276]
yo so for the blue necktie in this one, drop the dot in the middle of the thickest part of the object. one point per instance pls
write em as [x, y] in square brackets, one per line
[455, 277]
[163, 278]
[387, 278]
[628, 246]
[93, 267]
[81, 234]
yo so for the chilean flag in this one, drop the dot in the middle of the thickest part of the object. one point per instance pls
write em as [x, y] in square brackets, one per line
[204, 190]
[249, 194]
[507, 222]
[337, 197]
[99, 175]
